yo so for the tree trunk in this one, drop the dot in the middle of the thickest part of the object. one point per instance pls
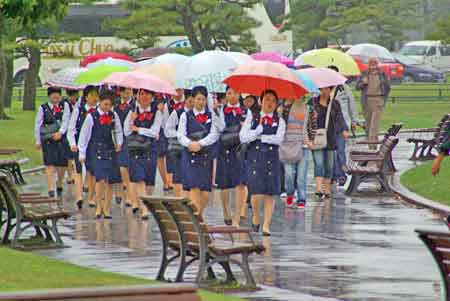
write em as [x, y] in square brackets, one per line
[9, 79]
[29, 94]
[2, 72]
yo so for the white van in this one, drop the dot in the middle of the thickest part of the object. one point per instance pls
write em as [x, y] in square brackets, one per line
[432, 53]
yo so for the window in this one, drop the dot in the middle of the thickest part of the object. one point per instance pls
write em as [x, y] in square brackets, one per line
[445, 50]
[431, 51]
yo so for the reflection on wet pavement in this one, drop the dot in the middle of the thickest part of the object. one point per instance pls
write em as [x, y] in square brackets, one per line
[346, 249]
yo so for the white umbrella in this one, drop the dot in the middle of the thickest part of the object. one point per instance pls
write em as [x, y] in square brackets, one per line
[209, 69]
[111, 62]
[65, 78]
[239, 57]
[370, 50]
[174, 59]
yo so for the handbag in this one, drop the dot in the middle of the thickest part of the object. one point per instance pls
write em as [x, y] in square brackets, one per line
[174, 148]
[230, 136]
[48, 130]
[320, 135]
[136, 142]
[291, 150]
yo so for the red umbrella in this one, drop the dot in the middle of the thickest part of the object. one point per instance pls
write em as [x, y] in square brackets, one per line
[104, 55]
[257, 76]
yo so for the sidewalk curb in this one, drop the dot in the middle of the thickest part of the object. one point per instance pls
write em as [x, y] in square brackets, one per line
[415, 199]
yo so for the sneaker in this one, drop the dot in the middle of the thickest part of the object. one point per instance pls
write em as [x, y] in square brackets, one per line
[301, 205]
[319, 196]
[341, 181]
[289, 201]
[283, 195]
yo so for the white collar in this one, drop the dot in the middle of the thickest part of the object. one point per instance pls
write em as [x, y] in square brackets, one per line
[51, 104]
[87, 107]
[148, 109]
[100, 111]
[262, 114]
[198, 112]
[233, 106]
[178, 101]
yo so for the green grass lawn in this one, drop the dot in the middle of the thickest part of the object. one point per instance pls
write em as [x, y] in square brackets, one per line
[420, 181]
[27, 271]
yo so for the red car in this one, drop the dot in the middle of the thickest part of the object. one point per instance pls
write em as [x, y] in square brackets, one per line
[392, 69]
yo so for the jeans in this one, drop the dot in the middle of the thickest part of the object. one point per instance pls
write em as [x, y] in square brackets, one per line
[340, 157]
[323, 163]
[297, 173]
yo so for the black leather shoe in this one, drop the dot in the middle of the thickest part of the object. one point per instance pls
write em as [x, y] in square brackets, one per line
[107, 217]
[255, 228]
[92, 205]
[59, 191]
[118, 200]
[228, 222]
[80, 204]
[98, 216]
[85, 189]
[127, 205]
[51, 194]
[266, 233]
[144, 217]
[135, 210]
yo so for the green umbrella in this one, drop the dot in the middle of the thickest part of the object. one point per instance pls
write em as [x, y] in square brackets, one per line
[95, 75]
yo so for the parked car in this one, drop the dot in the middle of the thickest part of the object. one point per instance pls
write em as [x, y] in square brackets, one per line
[415, 71]
[362, 52]
[432, 53]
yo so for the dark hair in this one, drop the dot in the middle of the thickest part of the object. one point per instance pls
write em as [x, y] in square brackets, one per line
[107, 95]
[187, 93]
[147, 91]
[121, 89]
[71, 92]
[269, 91]
[51, 90]
[332, 67]
[200, 90]
[88, 89]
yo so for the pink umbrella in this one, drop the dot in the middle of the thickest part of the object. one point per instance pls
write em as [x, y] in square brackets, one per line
[140, 80]
[257, 76]
[324, 77]
[272, 57]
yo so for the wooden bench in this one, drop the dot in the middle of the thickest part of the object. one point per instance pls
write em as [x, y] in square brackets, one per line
[183, 231]
[9, 151]
[159, 292]
[12, 168]
[30, 210]
[438, 243]
[373, 167]
[423, 147]
[360, 156]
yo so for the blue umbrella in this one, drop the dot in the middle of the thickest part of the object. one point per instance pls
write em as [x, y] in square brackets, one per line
[308, 82]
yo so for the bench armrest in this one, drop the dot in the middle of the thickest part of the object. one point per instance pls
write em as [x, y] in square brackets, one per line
[425, 130]
[369, 142]
[40, 201]
[227, 230]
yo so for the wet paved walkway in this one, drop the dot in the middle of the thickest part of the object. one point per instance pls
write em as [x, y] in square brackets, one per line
[348, 249]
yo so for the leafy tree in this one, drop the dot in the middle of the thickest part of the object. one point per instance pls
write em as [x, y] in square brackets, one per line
[442, 30]
[29, 17]
[316, 23]
[208, 24]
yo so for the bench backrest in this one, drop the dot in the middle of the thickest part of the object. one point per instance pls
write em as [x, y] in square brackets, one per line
[387, 147]
[441, 126]
[443, 129]
[438, 243]
[172, 292]
[393, 130]
[10, 195]
[184, 216]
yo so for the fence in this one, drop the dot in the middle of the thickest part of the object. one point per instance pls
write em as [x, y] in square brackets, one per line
[415, 92]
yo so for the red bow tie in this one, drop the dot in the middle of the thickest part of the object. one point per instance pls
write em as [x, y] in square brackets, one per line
[145, 116]
[123, 106]
[106, 119]
[91, 110]
[201, 118]
[267, 120]
[235, 110]
[56, 109]
[178, 105]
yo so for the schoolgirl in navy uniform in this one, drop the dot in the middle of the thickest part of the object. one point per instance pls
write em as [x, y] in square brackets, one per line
[53, 150]
[264, 133]
[101, 137]
[197, 131]
[71, 99]
[127, 104]
[231, 172]
[175, 103]
[145, 122]
[86, 105]
[170, 131]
